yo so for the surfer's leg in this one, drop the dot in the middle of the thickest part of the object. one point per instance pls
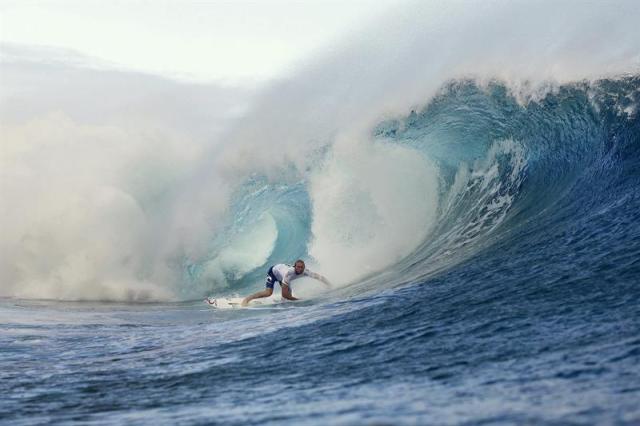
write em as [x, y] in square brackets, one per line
[268, 291]
[264, 293]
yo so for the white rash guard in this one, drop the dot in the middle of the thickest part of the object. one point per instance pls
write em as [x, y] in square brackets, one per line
[287, 273]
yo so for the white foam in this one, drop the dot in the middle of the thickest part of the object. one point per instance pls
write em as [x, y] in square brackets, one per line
[372, 205]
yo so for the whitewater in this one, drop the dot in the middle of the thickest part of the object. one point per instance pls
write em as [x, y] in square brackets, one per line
[466, 176]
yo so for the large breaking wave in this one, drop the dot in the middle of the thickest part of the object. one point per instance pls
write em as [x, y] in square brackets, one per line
[428, 191]
[395, 158]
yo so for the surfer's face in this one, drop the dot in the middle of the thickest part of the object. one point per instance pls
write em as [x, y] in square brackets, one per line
[299, 268]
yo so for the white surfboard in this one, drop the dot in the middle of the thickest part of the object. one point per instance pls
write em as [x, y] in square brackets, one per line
[231, 302]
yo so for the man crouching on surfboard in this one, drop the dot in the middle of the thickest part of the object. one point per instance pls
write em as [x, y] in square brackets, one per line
[284, 274]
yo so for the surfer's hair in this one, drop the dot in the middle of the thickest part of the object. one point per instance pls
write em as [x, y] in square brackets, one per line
[298, 261]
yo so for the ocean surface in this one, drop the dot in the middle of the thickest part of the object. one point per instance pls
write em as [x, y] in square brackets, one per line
[518, 303]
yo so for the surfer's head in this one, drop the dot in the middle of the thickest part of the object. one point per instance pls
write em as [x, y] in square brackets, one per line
[299, 266]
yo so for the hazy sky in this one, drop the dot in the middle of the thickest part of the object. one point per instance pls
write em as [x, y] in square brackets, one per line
[202, 40]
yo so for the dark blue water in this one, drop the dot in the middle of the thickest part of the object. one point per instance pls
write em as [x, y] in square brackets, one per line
[522, 306]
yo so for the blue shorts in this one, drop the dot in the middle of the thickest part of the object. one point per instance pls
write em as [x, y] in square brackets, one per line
[271, 279]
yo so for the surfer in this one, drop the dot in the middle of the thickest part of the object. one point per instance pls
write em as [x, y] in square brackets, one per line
[283, 275]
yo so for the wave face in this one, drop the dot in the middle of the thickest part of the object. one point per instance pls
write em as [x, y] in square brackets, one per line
[555, 177]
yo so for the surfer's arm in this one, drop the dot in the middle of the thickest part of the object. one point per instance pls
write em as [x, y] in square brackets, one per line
[318, 277]
[286, 291]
